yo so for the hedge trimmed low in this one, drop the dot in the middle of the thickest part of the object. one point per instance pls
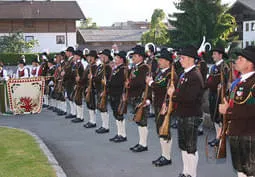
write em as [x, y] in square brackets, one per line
[11, 59]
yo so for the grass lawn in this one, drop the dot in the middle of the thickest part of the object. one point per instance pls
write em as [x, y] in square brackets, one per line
[20, 156]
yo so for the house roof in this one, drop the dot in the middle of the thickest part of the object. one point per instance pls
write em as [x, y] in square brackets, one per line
[248, 3]
[105, 35]
[40, 10]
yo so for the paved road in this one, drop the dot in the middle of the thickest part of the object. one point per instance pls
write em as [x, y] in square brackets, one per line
[83, 153]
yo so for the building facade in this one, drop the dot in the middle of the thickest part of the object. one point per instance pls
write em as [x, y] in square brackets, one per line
[248, 33]
[51, 23]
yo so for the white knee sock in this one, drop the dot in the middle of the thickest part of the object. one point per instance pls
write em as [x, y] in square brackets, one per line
[105, 120]
[92, 116]
[123, 128]
[193, 161]
[79, 111]
[73, 108]
[185, 162]
[68, 106]
[166, 148]
[143, 134]
[58, 104]
[54, 103]
[118, 127]
[217, 129]
[63, 106]
[49, 101]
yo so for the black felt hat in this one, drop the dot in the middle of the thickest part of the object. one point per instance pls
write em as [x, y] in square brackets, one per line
[122, 54]
[221, 50]
[140, 50]
[70, 49]
[79, 53]
[92, 53]
[107, 52]
[165, 54]
[248, 53]
[189, 51]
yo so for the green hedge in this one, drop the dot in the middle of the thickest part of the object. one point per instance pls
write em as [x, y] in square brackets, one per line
[12, 59]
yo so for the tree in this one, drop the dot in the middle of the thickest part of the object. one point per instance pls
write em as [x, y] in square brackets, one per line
[158, 33]
[197, 18]
[88, 24]
[15, 43]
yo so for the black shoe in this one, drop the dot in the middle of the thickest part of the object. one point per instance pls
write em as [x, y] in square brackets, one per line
[140, 148]
[181, 175]
[102, 130]
[215, 143]
[50, 108]
[89, 125]
[200, 132]
[162, 162]
[60, 113]
[174, 125]
[70, 116]
[113, 138]
[99, 129]
[45, 106]
[120, 139]
[77, 120]
[132, 148]
[154, 161]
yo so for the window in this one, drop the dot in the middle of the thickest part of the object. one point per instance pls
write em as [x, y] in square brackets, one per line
[29, 38]
[246, 43]
[28, 24]
[246, 26]
[252, 26]
[252, 43]
[60, 39]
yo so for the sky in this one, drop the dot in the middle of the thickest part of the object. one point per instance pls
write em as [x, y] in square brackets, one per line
[106, 12]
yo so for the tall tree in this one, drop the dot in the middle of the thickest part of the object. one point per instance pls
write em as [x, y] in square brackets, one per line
[158, 33]
[197, 18]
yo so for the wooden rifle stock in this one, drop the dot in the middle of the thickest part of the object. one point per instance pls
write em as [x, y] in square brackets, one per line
[89, 89]
[164, 129]
[122, 108]
[139, 109]
[221, 151]
[103, 97]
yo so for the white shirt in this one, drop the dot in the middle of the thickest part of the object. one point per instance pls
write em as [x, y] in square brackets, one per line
[219, 62]
[84, 63]
[26, 74]
[5, 76]
[246, 76]
[37, 71]
[189, 69]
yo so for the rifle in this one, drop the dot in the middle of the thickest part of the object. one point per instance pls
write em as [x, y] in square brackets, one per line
[221, 151]
[89, 89]
[164, 129]
[122, 108]
[76, 87]
[140, 108]
[102, 104]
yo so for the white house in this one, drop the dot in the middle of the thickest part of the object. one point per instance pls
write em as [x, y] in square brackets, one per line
[52, 23]
[248, 33]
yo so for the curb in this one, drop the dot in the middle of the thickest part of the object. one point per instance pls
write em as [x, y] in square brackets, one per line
[51, 159]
